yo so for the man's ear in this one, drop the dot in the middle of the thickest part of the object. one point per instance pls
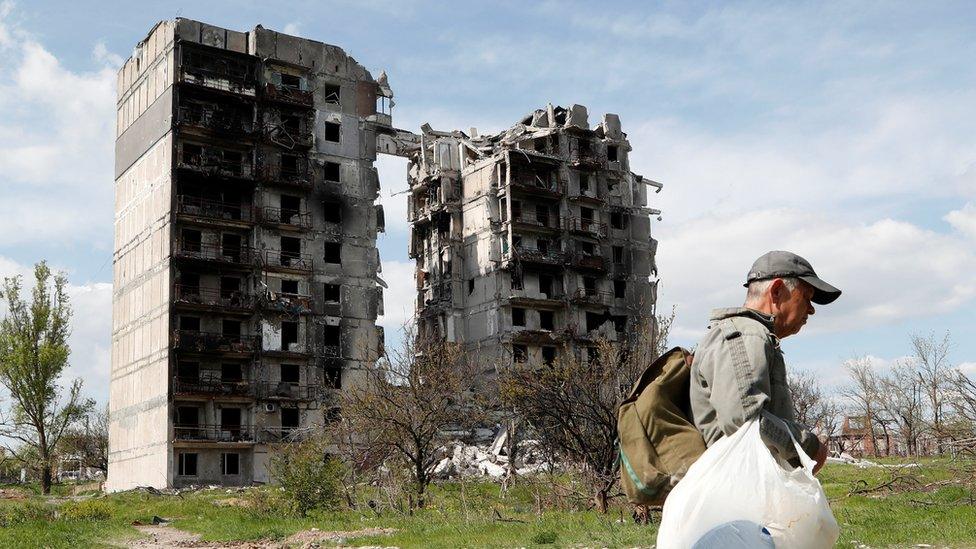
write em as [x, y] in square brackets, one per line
[777, 291]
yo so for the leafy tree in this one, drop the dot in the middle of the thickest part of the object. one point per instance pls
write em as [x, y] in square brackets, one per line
[33, 354]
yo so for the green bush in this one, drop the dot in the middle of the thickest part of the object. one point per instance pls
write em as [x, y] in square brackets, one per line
[308, 477]
[545, 537]
[90, 509]
[19, 512]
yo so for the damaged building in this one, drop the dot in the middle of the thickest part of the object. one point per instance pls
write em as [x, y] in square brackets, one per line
[246, 281]
[533, 242]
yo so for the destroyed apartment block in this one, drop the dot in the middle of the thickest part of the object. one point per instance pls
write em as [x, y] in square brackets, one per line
[246, 284]
[532, 243]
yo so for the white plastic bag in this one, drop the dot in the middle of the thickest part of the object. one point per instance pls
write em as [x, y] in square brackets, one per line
[738, 478]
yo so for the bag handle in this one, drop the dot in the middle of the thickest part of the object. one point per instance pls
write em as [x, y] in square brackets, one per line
[801, 454]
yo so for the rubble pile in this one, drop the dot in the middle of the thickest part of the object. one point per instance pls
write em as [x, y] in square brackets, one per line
[490, 460]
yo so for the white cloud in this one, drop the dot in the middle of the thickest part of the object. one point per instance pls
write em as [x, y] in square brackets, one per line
[293, 28]
[878, 265]
[968, 368]
[964, 219]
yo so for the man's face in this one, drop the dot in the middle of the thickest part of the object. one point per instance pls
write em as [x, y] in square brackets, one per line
[791, 308]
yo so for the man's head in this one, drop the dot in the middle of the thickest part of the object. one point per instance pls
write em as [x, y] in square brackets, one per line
[784, 284]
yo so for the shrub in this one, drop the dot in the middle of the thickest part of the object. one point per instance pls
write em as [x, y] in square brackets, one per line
[309, 478]
[544, 537]
[90, 509]
[24, 511]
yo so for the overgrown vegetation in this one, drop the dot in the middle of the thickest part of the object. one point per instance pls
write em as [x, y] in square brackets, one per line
[308, 478]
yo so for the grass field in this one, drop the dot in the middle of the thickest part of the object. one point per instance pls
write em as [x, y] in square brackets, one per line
[876, 507]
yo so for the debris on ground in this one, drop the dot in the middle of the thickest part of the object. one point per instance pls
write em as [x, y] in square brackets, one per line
[166, 537]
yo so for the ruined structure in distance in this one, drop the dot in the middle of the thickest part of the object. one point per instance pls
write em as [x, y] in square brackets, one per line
[246, 285]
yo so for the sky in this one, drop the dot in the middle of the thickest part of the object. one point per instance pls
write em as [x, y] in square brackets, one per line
[842, 131]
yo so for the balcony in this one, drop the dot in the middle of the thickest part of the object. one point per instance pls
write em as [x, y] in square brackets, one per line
[214, 433]
[591, 296]
[213, 118]
[541, 257]
[211, 161]
[209, 342]
[289, 391]
[277, 260]
[288, 129]
[586, 227]
[532, 184]
[296, 172]
[290, 304]
[240, 256]
[586, 158]
[589, 262]
[545, 224]
[214, 211]
[211, 386]
[195, 297]
[284, 218]
[536, 299]
[217, 70]
[292, 95]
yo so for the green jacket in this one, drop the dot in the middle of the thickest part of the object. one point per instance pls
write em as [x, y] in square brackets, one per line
[738, 374]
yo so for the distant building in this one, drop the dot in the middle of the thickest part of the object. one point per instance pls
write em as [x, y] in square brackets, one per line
[245, 263]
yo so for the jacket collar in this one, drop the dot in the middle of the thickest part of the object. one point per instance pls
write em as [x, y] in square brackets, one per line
[762, 318]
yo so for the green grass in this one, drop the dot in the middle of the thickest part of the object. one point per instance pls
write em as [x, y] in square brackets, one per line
[476, 514]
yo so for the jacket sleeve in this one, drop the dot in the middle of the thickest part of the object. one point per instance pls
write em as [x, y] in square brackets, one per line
[741, 391]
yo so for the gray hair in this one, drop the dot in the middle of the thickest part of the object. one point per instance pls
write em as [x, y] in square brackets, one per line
[758, 288]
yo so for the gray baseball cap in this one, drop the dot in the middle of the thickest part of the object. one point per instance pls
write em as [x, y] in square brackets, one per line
[780, 264]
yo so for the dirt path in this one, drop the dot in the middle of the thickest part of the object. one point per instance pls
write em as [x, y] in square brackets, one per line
[167, 537]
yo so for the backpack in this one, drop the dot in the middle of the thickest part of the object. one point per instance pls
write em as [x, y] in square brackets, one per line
[658, 441]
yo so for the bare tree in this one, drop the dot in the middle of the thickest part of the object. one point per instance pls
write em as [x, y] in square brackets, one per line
[88, 441]
[934, 371]
[406, 407]
[33, 354]
[902, 399]
[807, 396]
[863, 394]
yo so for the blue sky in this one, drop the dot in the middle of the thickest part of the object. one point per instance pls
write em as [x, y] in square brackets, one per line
[842, 131]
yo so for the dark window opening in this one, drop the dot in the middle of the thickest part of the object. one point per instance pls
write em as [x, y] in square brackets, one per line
[516, 280]
[231, 372]
[617, 220]
[289, 418]
[545, 285]
[620, 323]
[333, 293]
[612, 153]
[502, 209]
[470, 286]
[332, 212]
[230, 328]
[584, 182]
[290, 207]
[332, 93]
[190, 323]
[619, 289]
[333, 131]
[592, 355]
[332, 170]
[291, 250]
[520, 353]
[589, 285]
[333, 252]
[517, 241]
[547, 320]
[289, 334]
[188, 465]
[542, 245]
[331, 335]
[290, 373]
[542, 215]
[230, 245]
[230, 418]
[516, 210]
[289, 166]
[230, 463]
[332, 415]
[188, 416]
[292, 123]
[586, 214]
[333, 374]
[586, 247]
[289, 287]
[188, 371]
[192, 154]
[189, 283]
[618, 254]
[191, 240]
[230, 286]
[291, 81]
[594, 320]
[548, 355]
[518, 316]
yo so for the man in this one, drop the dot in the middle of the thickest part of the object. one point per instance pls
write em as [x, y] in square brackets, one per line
[739, 373]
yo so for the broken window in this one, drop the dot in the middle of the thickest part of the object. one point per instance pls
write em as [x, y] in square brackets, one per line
[188, 464]
[230, 245]
[231, 372]
[589, 285]
[190, 323]
[192, 154]
[333, 131]
[289, 418]
[230, 287]
[618, 254]
[291, 81]
[547, 320]
[619, 289]
[470, 286]
[333, 293]
[502, 209]
[290, 207]
[289, 166]
[332, 93]
[333, 374]
[548, 355]
[188, 416]
[188, 371]
[230, 419]
[516, 280]
[292, 123]
[291, 250]
[191, 240]
[594, 321]
[516, 210]
[332, 170]
[332, 212]
[517, 241]
[289, 335]
[289, 287]
[545, 285]
[612, 153]
[331, 335]
[617, 220]
[230, 463]
[584, 182]
[586, 214]
[189, 284]
[592, 355]
[620, 323]
[586, 248]
[333, 252]
[520, 353]
[231, 328]
[518, 316]
[542, 215]
[290, 373]
[542, 245]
